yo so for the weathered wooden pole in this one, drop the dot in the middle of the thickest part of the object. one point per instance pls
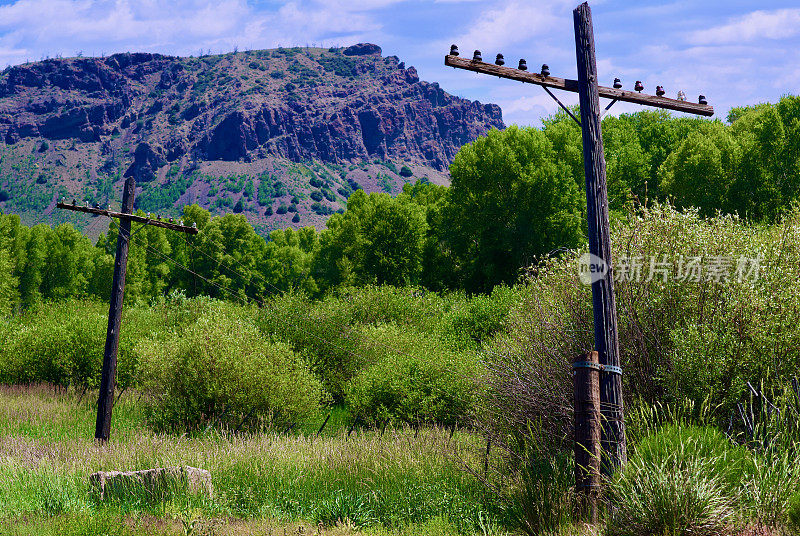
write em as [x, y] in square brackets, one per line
[605, 311]
[108, 382]
[105, 402]
[586, 403]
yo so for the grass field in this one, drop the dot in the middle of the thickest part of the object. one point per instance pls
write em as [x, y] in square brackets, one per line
[396, 482]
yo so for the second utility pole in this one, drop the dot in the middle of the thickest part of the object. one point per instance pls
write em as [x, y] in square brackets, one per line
[105, 401]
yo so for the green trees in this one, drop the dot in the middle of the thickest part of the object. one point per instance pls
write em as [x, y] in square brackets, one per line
[510, 201]
[516, 195]
[288, 260]
[379, 239]
[701, 172]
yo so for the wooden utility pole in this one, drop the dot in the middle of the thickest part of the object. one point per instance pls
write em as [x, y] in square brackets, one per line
[105, 402]
[586, 388]
[605, 311]
[589, 91]
[108, 383]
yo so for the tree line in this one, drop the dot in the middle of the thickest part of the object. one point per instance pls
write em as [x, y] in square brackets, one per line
[516, 195]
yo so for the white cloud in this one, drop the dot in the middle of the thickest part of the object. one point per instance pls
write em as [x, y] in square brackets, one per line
[511, 23]
[30, 29]
[758, 25]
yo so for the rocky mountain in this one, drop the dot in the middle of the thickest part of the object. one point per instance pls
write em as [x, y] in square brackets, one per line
[283, 135]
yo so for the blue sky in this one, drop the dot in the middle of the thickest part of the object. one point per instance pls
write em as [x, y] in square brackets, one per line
[734, 52]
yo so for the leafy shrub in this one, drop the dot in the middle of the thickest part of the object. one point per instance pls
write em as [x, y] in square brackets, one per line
[329, 331]
[479, 318]
[52, 343]
[296, 217]
[221, 370]
[316, 195]
[405, 171]
[677, 338]
[282, 209]
[321, 209]
[411, 379]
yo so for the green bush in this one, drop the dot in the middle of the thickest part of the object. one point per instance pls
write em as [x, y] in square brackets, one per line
[328, 331]
[221, 370]
[475, 320]
[54, 343]
[677, 338]
[411, 379]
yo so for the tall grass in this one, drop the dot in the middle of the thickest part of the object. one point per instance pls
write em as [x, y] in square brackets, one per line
[365, 479]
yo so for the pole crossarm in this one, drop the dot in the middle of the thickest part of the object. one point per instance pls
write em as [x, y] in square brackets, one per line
[130, 217]
[572, 85]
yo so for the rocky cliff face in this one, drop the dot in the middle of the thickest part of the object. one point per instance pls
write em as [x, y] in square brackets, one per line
[141, 114]
[334, 106]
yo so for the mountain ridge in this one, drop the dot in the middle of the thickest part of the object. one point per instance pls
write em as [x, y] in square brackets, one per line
[228, 132]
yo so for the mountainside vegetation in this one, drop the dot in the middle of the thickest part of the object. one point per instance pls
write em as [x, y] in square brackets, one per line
[247, 132]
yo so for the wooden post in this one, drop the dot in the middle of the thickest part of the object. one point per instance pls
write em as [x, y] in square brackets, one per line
[108, 382]
[586, 384]
[605, 311]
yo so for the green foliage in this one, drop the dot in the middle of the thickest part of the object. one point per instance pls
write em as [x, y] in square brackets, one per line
[793, 511]
[379, 239]
[410, 380]
[405, 171]
[510, 202]
[164, 196]
[51, 343]
[265, 190]
[700, 173]
[338, 64]
[221, 370]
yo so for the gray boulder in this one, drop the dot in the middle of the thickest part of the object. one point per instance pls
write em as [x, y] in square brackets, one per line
[153, 484]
